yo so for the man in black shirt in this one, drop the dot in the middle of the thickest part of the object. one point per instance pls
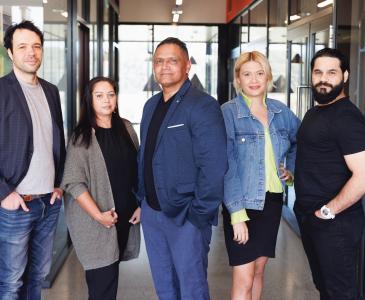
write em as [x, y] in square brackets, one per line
[182, 162]
[330, 179]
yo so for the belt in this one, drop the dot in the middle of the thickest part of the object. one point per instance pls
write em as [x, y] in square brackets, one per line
[34, 196]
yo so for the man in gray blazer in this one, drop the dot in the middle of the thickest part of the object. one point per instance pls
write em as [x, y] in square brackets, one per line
[32, 152]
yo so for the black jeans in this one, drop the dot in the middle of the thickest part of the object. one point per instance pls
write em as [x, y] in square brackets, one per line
[102, 283]
[332, 248]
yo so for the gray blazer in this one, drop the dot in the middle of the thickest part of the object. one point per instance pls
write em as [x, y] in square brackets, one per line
[85, 170]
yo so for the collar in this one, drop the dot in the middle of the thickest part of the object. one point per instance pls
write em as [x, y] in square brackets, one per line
[178, 96]
[248, 101]
[182, 91]
[243, 108]
[162, 102]
[333, 102]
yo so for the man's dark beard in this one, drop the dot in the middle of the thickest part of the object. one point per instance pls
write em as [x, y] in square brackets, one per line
[324, 97]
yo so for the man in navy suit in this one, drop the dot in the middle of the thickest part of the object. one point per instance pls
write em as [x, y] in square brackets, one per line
[182, 162]
[32, 152]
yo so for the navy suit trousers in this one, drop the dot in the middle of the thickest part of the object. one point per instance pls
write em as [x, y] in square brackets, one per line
[178, 256]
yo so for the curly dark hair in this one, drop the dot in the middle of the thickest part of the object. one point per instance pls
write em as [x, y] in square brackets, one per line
[335, 53]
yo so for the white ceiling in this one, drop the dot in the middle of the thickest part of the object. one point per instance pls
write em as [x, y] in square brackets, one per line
[159, 11]
[139, 11]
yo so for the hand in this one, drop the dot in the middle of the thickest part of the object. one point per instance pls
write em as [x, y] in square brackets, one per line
[13, 201]
[240, 233]
[136, 217]
[57, 194]
[318, 214]
[108, 218]
[286, 175]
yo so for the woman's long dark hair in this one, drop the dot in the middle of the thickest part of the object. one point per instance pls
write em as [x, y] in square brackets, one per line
[87, 121]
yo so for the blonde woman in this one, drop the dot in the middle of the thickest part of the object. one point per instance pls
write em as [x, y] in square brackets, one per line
[261, 135]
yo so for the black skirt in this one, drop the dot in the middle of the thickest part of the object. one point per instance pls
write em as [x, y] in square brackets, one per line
[263, 229]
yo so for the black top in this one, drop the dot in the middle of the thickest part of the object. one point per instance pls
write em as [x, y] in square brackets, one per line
[326, 134]
[120, 158]
[152, 133]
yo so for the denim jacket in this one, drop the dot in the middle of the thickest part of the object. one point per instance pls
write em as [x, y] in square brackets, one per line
[244, 183]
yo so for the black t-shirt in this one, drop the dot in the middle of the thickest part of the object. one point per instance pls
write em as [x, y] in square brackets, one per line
[120, 158]
[326, 135]
[151, 139]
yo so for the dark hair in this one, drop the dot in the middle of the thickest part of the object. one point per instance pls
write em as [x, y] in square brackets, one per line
[175, 41]
[25, 24]
[335, 53]
[87, 121]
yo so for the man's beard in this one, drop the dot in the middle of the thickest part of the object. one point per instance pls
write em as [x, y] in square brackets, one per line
[323, 97]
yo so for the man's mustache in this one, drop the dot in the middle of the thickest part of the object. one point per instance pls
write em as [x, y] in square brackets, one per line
[323, 83]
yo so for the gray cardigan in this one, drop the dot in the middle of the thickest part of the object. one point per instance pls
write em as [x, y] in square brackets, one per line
[85, 170]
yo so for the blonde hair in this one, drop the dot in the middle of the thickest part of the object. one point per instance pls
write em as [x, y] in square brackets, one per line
[255, 56]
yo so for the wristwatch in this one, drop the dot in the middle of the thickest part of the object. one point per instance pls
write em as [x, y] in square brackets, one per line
[326, 213]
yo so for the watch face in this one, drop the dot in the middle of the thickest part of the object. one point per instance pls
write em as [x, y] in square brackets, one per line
[326, 211]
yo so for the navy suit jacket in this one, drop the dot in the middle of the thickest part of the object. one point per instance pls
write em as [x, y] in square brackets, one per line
[190, 157]
[16, 133]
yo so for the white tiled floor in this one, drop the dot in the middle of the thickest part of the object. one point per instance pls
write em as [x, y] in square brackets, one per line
[286, 278]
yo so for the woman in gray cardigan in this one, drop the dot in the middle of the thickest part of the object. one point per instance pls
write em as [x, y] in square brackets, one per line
[99, 181]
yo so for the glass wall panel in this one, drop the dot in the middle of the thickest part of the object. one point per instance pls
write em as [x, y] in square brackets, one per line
[106, 39]
[136, 47]
[212, 65]
[136, 83]
[277, 48]
[93, 39]
[54, 67]
[106, 50]
[235, 27]
[197, 39]
[299, 74]
[5, 22]
[351, 40]
[244, 29]
[238, 37]
[258, 29]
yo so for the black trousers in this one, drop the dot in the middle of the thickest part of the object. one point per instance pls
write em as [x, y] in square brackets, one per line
[102, 283]
[332, 248]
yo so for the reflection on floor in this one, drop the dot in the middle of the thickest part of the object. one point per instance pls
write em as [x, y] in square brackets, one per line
[286, 278]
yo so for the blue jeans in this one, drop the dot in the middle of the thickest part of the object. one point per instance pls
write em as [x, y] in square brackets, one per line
[26, 243]
[178, 256]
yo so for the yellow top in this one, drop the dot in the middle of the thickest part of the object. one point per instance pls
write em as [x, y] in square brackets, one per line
[272, 180]
[239, 216]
